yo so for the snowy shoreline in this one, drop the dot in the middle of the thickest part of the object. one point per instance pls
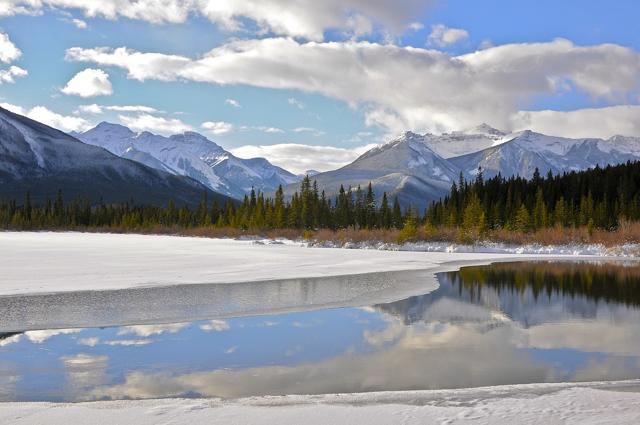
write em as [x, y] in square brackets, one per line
[46, 262]
[584, 403]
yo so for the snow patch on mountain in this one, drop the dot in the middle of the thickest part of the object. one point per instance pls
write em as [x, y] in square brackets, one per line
[191, 154]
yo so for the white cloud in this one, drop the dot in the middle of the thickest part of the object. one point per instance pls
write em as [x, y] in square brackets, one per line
[9, 75]
[149, 330]
[400, 87]
[8, 51]
[299, 158]
[79, 23]
[55, 120]
[215, 326]
[262, 128]
[89, 342]
[90, 109]
[442, 36]
[233, 102]
[154, 124]
[50, 118]
[596, 122]
[311, 130]
[89, 83]
[217, 127]
[128, 342]
[295, 102]
[99, 109]
[269, 129]
[307, 19]
[38, 337]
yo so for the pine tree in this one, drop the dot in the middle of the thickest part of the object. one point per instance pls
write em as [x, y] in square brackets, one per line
[410, 228]
[385, 212]
[523, 219]
[396, 215]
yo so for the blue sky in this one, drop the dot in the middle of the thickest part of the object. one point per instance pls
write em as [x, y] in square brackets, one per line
[337, 73]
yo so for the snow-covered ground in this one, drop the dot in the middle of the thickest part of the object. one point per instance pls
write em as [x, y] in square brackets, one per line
[487, 247]
[595, 403]
[42, 262]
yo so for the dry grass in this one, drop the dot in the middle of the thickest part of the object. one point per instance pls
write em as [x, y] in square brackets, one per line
[627, 232]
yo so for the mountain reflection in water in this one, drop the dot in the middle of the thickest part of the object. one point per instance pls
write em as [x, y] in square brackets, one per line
[505, 323]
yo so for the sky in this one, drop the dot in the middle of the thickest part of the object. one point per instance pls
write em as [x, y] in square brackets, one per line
[307, 83]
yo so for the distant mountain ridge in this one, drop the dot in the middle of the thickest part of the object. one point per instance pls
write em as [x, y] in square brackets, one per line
[41, 160]
[191, 154]
[420, 168]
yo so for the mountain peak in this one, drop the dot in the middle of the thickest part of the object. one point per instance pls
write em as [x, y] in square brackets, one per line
[195, 138]
[485, 129]
[108, 126]
[409, 135]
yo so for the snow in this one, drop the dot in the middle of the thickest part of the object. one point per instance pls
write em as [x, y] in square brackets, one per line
[587, 403]
[44, 262]
[192, 154]
[599, 250]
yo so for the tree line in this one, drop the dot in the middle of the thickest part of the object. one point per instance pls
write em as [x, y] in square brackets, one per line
[308, 208]
[597, 198]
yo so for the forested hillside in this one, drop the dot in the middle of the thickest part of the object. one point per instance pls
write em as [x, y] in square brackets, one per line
[597, 199]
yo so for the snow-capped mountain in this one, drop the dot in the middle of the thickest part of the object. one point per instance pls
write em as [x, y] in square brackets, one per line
[521, 153]
[456, 143]
[41, 160]
[406, 167]
[421, 168]
[193, 155]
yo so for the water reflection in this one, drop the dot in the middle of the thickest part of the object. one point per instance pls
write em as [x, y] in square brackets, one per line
[499, 324]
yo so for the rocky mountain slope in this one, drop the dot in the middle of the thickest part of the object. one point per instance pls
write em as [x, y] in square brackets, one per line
[41, 160]
[193, 155]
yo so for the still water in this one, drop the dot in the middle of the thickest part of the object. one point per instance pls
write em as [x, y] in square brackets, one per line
[506, 323]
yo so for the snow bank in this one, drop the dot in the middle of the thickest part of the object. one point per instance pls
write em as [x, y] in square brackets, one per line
[626, 250]
[522, 404]
[44, 262]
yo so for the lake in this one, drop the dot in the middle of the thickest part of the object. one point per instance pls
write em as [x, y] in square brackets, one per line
[505, 323]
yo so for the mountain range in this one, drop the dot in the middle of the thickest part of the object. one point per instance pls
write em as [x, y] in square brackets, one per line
[41, 160]
[417, 168]
[420, 168]
[193, 155]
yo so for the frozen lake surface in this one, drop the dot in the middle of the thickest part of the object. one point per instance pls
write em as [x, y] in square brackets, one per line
[507, 323]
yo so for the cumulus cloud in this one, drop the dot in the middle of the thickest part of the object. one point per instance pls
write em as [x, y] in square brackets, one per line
[99, 109]
[217, 127]
[299, 158]
[215, 326]
[9, 75]
[307, 19]
[233, 102]
[53, 119]
[438, 92]
[89, 83]
[155, 124]
[149, 330]
[79, 23]
[595, 122]
[442, 36]
[8, 51]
